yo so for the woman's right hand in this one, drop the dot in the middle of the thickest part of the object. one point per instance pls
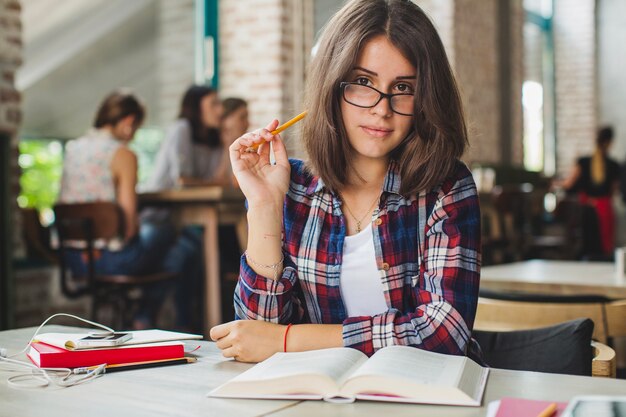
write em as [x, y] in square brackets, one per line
[261, 182]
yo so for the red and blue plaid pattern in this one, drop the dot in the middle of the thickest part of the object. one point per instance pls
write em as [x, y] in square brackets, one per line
[427, 251]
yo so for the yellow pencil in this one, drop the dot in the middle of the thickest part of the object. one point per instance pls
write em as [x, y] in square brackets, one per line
[549, 411]
[281, 128]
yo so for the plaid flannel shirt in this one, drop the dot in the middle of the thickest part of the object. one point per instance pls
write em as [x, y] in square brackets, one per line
[427, 252]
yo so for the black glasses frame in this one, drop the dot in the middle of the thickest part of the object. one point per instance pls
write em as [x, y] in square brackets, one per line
[381, 95]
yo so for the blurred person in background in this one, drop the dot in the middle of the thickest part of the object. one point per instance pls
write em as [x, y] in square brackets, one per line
[235, 123]
[100, 166]
[234, 119]
[595, 179]
[195, 152]
[192, 152]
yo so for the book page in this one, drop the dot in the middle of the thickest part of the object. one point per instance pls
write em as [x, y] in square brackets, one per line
[416, 375]
[312, 372]
[417, 365]
[333, 363]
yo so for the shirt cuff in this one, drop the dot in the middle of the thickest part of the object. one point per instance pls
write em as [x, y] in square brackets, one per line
[357, 334]
[258, 284]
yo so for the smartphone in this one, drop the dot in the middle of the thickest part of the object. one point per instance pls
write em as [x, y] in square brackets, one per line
[104, 340]
[596, 406]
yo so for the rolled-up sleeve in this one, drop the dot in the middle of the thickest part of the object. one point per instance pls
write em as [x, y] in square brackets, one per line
[262, 298]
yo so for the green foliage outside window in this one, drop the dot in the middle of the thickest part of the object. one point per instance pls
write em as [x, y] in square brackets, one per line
[41, 162]
[146, 146]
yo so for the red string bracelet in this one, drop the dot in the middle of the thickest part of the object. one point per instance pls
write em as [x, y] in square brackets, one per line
[285, 338]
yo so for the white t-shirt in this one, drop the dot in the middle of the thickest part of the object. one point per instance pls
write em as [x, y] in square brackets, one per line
[360, 282]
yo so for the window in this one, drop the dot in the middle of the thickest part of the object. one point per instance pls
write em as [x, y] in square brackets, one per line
[146, 145]
[538, 95]
[41, 162]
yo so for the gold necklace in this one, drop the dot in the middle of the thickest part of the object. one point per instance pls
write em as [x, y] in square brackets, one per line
[358, 222]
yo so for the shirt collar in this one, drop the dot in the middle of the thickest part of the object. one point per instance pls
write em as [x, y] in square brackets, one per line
[391, 183]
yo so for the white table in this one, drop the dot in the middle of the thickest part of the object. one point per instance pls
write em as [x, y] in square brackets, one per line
[555, 277]
[181, 391]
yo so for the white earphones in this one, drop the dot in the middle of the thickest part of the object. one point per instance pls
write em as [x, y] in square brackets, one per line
[42, 377]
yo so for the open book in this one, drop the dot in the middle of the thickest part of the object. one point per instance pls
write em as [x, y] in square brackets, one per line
[394, 373]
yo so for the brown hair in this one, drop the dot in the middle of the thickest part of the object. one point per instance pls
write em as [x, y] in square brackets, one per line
[118, 105]
[231, 105]
[190, 110]
[438, 136]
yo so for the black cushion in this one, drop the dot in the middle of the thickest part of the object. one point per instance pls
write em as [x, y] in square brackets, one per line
[562, 349]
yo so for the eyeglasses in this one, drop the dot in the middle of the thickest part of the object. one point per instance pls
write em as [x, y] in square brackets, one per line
[367, 97]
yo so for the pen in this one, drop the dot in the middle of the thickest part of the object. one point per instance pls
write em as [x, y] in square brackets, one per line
[281, 128]
[549, 411]
[142, 365]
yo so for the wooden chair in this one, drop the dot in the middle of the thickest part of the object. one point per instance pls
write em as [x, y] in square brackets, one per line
[616, 318]
[505, 223]
[36, 237]
[520, 311]
[563, 348]
[604, 361]
[91, 224]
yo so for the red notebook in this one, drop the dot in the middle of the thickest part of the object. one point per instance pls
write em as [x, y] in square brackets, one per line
[47, 356]
[520, 407]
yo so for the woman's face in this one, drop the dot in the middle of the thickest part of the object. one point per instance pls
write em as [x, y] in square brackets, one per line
[125, 129]
[376, 131]
[211, 111]
[237, 122]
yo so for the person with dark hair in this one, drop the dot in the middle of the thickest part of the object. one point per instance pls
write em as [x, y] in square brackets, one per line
[595, 179]
[100, 166]
[192, 151]
[234, 119]
[374, 239]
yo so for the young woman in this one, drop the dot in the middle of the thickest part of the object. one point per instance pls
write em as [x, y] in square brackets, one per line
[192, 152]
[596, 178]
[234, 124]
[234, 119]
[99, 166]
[375, 239]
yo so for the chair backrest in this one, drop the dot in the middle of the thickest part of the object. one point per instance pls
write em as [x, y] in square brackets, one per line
[504, 315]
[84, 221]
[604, 362]
[36, 236]
[564, 348]
[616, 318]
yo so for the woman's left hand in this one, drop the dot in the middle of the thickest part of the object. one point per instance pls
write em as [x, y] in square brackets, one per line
[248, 340]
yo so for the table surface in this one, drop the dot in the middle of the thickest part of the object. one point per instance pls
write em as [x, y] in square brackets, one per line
[189, 194]
[556, 277]
[181, 391]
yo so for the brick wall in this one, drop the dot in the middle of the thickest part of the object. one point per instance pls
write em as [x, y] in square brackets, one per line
[263, 62]
[176, 56]
[575, 66]
[516, 56]
[10, 114]
[470, 31]
[476, 66]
